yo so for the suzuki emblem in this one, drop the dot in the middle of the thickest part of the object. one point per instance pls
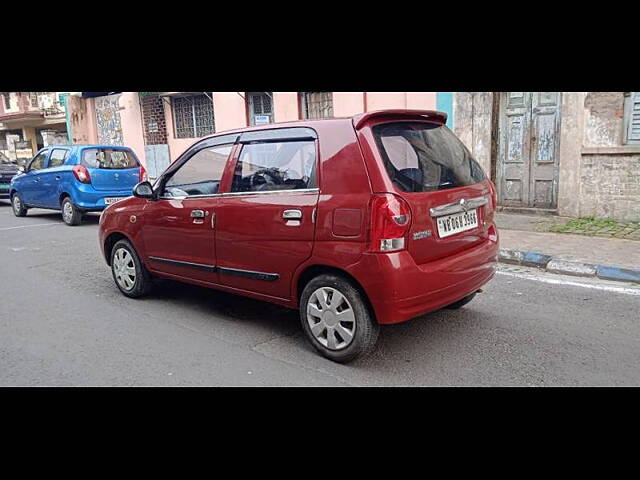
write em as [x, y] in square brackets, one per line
[463, 204]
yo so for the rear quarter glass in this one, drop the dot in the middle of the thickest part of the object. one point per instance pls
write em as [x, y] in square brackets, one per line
[425, 157]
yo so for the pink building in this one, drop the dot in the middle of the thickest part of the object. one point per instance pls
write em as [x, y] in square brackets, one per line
[159, 126]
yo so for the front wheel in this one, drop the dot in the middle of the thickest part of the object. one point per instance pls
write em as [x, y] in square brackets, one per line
[130, 275]
[336, 319]
[19, 210]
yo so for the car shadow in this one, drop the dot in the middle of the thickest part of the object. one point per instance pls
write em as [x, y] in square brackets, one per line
[404, 342]
[55, 216]
[235, 308]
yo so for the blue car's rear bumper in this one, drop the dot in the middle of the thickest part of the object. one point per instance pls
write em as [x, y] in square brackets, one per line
[91, 200]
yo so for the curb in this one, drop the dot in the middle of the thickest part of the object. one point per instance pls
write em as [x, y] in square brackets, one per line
[567, 267]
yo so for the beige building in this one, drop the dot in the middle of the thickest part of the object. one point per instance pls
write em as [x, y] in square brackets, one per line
[575, 154]
[30, 121]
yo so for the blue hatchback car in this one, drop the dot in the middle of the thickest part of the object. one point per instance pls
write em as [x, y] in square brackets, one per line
[75, 179]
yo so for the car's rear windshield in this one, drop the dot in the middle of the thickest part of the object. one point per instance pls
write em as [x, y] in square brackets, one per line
[423, 157]
[108, 158]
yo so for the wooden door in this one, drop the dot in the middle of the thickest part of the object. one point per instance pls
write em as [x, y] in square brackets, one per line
[529, 147]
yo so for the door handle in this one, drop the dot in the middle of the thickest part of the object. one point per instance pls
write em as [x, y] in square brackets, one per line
[292, 215]
[198, 213]
[57, 177]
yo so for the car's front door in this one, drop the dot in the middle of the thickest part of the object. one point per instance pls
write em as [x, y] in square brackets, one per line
[265, 225]
[51, 177]
[30, 186]
[178, 232]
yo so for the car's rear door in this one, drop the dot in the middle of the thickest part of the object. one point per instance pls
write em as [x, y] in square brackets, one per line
[178, 231]
[265, 225]
[448, 193]
[115, 170]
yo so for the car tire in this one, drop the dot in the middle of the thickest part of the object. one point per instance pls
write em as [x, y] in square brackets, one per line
[71, 214]
[123, 258]
[461, 303]
[322, 303]
[17, 205]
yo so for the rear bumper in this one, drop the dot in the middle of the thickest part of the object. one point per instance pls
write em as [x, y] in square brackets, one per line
[91, 200]
[402, 290]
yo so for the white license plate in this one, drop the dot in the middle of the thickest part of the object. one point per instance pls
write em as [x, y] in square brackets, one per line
[110, 200]
[456, 223]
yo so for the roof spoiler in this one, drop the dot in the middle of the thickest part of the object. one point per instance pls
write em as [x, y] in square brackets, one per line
[361, 119]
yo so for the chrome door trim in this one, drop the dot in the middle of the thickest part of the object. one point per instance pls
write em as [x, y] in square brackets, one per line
[271, 192]
[462, 205]
[233, 194]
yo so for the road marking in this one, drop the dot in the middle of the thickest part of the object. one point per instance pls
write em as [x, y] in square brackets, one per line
[573, 283]
[29, 226]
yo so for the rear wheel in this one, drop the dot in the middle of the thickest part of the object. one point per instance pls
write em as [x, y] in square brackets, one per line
[336, 319]
[70, 213]
[130, 275]
[461, 303]
[19, 210]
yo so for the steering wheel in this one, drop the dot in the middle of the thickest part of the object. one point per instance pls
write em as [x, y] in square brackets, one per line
[268, 176]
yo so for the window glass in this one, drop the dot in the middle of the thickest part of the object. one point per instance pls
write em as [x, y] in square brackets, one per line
[201, 174]
[58, 156]
[275, 166]
[38, 161]
[108, 159]
[422, 157]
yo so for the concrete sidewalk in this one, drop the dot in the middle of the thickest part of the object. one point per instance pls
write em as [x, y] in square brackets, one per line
[521, 242]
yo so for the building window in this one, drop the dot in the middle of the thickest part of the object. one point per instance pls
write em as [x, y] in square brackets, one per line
[33, 98]
[260, 108]
[192, 116]
[632, 117]
[7, 100]
[317, 105]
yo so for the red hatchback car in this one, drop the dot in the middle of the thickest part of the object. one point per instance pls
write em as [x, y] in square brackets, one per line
[356, 222]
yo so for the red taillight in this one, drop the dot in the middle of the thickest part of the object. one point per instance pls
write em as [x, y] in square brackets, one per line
[143, 174]
[82, 174]
[390, 222]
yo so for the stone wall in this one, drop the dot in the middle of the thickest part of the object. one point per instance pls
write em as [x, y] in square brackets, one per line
[472, 113]
[610, 187]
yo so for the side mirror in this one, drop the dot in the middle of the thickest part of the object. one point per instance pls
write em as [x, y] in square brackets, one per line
[22, 169]
[143, 190]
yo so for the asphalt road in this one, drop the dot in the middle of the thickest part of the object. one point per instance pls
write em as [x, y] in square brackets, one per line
[63, 322]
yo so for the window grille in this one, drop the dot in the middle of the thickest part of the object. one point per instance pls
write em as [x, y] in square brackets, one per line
[33, 97]
[632, 117]
[260, 105]
[193, 116]
[317, 105]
